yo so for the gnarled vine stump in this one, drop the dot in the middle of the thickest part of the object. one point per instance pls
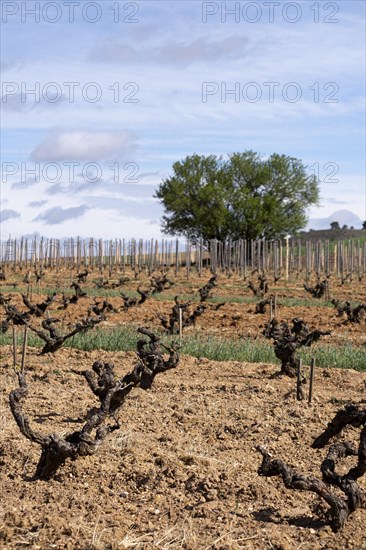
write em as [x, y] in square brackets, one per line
[56, 449]
[354, 495]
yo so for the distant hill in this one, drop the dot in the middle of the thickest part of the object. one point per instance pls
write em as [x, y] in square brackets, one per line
[343, 217]
[319, 228]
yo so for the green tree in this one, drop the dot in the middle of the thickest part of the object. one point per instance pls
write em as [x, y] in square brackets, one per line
[335, 225]
[241, 197]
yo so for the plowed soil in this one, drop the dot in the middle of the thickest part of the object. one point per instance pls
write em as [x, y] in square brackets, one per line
[236, 318]
[182, 471]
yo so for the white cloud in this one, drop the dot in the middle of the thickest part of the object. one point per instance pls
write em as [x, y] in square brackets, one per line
[37, 204]
[176, 53]
[57, 215]
[8, 214]
[84, 145]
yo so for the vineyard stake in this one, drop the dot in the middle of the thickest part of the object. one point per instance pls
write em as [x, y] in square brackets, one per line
[180, 323]
[24, 351]
[311, 382]
[14, 346]
[298, 381]
[270, 310]
[287, 259]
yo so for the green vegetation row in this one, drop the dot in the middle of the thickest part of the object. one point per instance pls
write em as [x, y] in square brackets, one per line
[124, 338]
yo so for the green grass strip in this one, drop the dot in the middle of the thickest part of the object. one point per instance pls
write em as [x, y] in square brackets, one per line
[124, 338]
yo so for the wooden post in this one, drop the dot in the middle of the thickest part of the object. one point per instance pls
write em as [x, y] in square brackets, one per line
[280, 256]
[292, 256]
[21, 256]
[123, 256]
[213, 252]
[58, 254]
[110, 259]
[66, 251]
[275, 266]
[141, 253]
[287, 259]
[180, 324]
[229, 258]
[26, 252]
[270, 310]
[116, 255]
[91, 253]
[318, 250]
[176, 257]
[326, 258]
[35, 252]
[14, 346]
[24, 351]
[156, 254]
[311, 382]
[241, 257]
[306, 261]
[341, 259]
[188, 258]
[351, 257]
[85, 254]
[299, 394]
[100, 254]
[200, 258]
[335, 255]
[78, 254]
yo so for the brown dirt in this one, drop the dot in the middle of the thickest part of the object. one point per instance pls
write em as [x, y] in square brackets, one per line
[182, 471]
[233, 320]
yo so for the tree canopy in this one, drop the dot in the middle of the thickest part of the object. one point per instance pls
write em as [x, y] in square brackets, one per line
[242, 197]
[335, 225]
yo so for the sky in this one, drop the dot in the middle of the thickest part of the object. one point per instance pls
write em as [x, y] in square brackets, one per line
[99, 99]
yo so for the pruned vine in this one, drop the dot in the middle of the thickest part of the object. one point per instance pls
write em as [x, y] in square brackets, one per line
[354, 496]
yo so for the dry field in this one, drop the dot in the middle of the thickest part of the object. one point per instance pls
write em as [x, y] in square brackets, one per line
[182, 471]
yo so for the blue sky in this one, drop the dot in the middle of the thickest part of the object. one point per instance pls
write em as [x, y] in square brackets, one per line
[153, 86]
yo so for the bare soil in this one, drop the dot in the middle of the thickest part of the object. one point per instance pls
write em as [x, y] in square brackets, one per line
[182, 470]
[232, 320]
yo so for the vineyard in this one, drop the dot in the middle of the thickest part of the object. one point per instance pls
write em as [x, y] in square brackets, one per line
[159, 395]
